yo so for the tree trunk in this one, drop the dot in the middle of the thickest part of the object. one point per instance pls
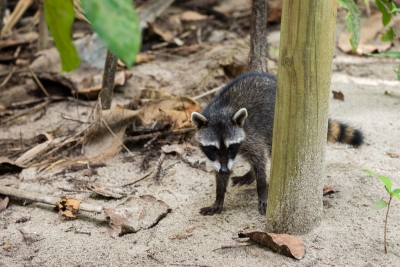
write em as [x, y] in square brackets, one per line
[258, 33]
[301, 115]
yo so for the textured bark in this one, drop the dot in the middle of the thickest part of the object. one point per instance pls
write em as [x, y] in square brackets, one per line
[108, 80]
[258, 33]
[43, 30]
[301, 115]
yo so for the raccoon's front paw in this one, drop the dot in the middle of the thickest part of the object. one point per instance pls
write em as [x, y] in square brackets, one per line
[248, 178]
[210, 210]
[262, 206]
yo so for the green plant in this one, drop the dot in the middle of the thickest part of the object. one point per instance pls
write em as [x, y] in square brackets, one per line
[388, 9]
[115, 22]
[380, 204]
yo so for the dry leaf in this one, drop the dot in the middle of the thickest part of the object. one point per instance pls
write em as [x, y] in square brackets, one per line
[176, 148]
[4, 204]
[288, 245]
[174, 112]
[168, 28]
[8, 165]
[68, 206]
[100, 143]
[392, 155]
[135, 214]
[328, 189]
[338, 95]
[191, 16]
[105, 191]
[144, 58]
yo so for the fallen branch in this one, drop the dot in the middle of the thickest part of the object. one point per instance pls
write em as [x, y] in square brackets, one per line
[4, 190]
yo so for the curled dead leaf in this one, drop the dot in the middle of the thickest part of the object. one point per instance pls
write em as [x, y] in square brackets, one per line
[338, 95]
[68, 206]
[288, 245]
[328, 189]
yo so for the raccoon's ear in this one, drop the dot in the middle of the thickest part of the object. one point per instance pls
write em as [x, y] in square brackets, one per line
[239, 117]
[198, 120]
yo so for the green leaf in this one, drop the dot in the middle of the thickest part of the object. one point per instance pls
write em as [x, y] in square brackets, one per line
[352, 21]
[393, 8]
[392, 54]
[387, 182]
[372, 173]
[380, 204]
[386, 17]
[59, 17]
[396, 193]
[389, 35]
[117, 24]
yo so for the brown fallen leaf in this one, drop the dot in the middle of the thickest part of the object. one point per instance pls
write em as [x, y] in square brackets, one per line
[328, 189]
[176, 148]
[68, 206]
[338, 95]
[144, 58]
[4, 204]
[288, 245]
[135, 214]
[8, 165]
[104, 138]
[392, 155]
[191, 16]
[106, 191]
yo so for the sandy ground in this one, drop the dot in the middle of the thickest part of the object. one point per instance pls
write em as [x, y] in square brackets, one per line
[351, 233]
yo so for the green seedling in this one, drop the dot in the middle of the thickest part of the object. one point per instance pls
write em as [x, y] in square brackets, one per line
[380, 204]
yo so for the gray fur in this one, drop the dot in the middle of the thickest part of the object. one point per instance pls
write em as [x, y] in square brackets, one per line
[242, 113]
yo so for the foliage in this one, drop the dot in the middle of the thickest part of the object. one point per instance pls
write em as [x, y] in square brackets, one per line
[382, 203]
[352, 21]
[59, 17]
[115, 21]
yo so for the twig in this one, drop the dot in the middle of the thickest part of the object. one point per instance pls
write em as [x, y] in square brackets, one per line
[208, 92]
[25, 112]
[43, 29]
[44, 199]
[157, 134]
[108, 80]
[38, 82]
[8, 77]
[138, 180]
[237, 245]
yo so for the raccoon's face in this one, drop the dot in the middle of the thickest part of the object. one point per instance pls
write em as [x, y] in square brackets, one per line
[220, 138]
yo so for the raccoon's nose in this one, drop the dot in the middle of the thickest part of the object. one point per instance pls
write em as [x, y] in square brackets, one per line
[224, 170]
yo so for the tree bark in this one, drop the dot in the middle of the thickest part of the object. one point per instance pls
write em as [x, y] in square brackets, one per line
[301, 115]
[106, 93]
[258, 36]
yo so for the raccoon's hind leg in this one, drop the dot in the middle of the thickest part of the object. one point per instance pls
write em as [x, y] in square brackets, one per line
[248, 178]
[216, 208]
[258, 163]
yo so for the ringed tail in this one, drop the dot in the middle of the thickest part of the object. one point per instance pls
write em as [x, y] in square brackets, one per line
[343, 133]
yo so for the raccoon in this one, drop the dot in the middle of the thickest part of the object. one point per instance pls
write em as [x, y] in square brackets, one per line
[239, 121]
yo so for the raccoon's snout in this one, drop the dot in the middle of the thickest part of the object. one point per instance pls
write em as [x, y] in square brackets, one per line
[224, 170]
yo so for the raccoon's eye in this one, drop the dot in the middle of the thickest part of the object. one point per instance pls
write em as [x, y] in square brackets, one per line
[233, 147]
